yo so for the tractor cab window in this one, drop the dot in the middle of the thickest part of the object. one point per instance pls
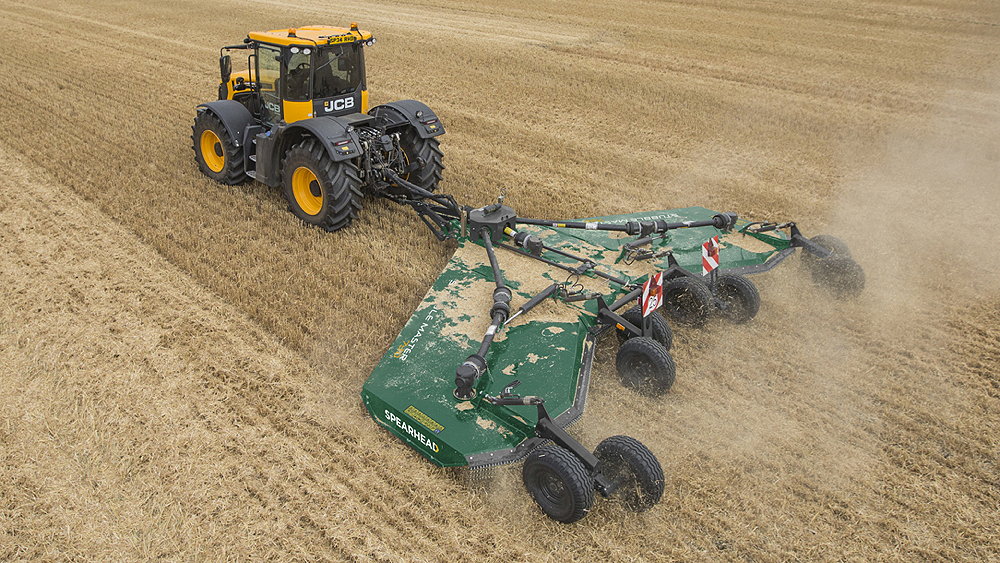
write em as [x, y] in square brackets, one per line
[297, 85]
[338, 70]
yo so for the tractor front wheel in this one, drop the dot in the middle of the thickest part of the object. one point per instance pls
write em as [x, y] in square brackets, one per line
[319, 190]
[645, 366]
[559, 482]
[217, 155]
[634, 471]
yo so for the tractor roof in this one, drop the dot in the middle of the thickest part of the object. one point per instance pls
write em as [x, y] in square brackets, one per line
[318, 34]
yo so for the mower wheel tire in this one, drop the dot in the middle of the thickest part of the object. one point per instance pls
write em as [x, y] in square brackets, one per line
[840, 274]
[645, 366]
[738, 296]
[217, 155]
[320, 191]
[559, 483]
[661, 328]
[687, 301]
[425, 151]
[836, 247]
[634, 471]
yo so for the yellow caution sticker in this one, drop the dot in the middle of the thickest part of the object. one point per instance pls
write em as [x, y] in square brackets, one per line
[419, 416]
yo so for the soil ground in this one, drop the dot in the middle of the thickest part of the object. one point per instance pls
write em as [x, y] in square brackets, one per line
[180, 362]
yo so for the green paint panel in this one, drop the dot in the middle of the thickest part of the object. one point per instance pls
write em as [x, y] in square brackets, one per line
[410, 391]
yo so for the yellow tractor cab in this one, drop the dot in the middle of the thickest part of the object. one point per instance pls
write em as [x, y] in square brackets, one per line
[298, 117]
[302, 73]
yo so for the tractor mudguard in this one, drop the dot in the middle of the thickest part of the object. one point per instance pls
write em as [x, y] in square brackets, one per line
[423, 120]
[336, 134]
[235, 117]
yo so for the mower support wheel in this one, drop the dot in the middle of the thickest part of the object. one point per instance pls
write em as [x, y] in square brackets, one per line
[218, 157]
[559, 483]
[840, 274]
[687, 301]
[319, 191]
[661, 328]
[739, 297]
[645, 366]
[634, 471]
[836, 247]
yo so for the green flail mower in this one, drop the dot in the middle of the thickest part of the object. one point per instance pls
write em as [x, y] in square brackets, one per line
[495, 363]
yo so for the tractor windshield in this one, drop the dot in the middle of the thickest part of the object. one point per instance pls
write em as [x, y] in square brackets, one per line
[338, 70]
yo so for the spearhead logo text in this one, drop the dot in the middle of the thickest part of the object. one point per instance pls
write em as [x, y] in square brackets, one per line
[416, 434]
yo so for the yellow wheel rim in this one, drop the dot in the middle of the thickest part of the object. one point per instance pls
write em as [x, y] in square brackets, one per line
[307, 191]
[211, 151]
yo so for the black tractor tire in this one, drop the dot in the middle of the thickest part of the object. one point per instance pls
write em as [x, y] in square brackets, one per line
[836, 247]
[217, 155]
[320, 191]
[687, 301]
[739, 298]
[661, 328]
[559, 483]
[425, 151]
[841, 275]
[645, 366]
[633, 469]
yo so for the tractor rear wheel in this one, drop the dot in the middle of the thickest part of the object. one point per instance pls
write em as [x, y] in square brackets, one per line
[427, 153]
[661, 328]
[319, 191]
[217, 155]
[687, 301]
[739, 296]
[634, 471]
[645, 366]
[559, 482]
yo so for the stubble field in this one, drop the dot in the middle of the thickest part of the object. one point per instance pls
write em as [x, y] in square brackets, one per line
[180, 361]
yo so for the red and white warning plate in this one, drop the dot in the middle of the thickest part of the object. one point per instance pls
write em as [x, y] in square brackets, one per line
[710, 255]
[652, 294]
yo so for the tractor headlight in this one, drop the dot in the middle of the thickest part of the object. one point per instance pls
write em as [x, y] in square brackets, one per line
[294, 50]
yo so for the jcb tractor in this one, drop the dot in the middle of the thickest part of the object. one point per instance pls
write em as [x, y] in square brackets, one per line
[298, 118]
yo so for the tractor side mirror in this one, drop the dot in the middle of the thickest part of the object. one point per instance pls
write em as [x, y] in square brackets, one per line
[225, 68]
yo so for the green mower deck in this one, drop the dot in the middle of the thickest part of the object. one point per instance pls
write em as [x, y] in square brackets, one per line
[549, 349]
[495, 362]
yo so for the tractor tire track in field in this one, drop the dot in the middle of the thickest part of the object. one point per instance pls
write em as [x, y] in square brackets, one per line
[270, 404]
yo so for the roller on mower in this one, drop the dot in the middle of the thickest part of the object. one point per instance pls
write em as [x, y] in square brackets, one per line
[495, 363]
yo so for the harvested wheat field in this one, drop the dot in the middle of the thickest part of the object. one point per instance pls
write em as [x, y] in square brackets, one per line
[180, 361]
